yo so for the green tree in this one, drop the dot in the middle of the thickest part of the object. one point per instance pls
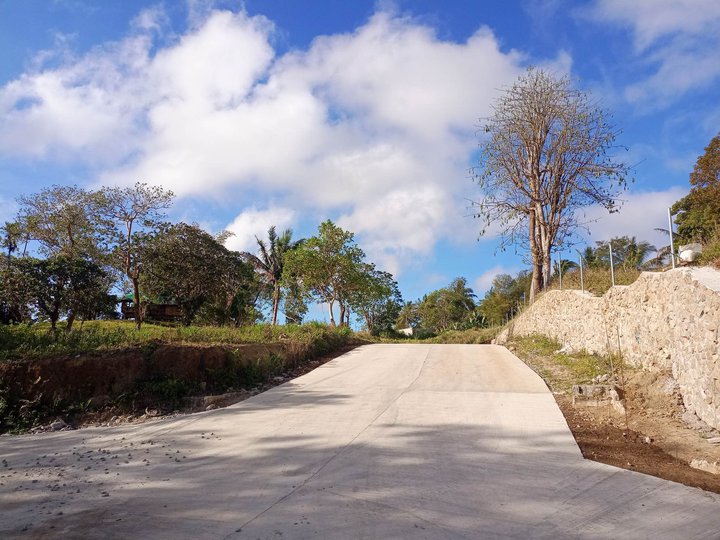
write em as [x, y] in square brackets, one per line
[546, 153]
[627, 252]
[132, 214]
[698, 213]
[504, 296]
[186, 264]
[60, 285]
[408, 316]
[452, 307]
[328, 266]
[270, 262]
[376, 299]
[13, 302]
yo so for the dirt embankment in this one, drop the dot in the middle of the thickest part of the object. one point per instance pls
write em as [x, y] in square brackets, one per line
[158, 376]
[654, 434]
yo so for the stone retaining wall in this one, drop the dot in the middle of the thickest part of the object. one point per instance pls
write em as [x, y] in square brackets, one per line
[665, 320]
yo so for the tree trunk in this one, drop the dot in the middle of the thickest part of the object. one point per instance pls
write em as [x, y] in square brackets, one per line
[342, 314]
[138, 305]
[332, 316]
[276, 303]
[536, 284]
[70, 321]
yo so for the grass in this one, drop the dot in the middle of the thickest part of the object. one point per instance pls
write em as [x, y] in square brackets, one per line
[470, 336]
[34, 341]
[559, 370]
[23, 405]
[597, 280]
[473, 335]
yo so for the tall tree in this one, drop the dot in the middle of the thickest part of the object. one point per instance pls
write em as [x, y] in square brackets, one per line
[270, 262]
[13, 303]
[328, 266]
[376, 299]
[505, 294]
[190, 266]
[64, 220]
[698, 214]
[546, 155]
[134, 212]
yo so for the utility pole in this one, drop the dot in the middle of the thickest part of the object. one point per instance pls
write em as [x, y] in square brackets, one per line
[612, 266]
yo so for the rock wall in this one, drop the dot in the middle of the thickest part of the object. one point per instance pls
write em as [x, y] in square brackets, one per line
[665, 320]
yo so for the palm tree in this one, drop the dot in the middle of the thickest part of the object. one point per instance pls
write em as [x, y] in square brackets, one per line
[635, 252]
[270, 261]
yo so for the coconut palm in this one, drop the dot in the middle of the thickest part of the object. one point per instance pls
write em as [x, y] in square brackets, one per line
[270, 261]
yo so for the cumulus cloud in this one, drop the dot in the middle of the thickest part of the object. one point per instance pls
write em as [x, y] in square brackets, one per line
[252, 223]
[679, 38]
[372, 127]
[639, 216]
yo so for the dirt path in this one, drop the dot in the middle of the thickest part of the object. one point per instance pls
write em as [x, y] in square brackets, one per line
[657, 436]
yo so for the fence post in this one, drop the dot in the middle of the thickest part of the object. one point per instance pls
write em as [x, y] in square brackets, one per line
[612, 266]
[582, 281]
[560, 270]
[672, 244]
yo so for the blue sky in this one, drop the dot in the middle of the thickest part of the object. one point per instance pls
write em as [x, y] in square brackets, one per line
[289, 113]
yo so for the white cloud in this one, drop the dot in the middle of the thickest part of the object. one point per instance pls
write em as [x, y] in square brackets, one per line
[373, 126]
[679, 38]
[483, 282]
[8, 210]
[639, 216]
[253, 223]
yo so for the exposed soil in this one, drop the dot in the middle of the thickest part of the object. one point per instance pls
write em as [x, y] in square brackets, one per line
[113, 415]
[654, 437]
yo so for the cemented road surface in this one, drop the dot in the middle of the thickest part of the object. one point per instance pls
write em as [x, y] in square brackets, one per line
[387, 441]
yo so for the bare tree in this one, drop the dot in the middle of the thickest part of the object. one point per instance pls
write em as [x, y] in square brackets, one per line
[546, 155]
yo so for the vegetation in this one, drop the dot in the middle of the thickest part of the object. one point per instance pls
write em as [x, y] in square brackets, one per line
[559, 370]
[32, 341]
[546, 155]
[450, 308]
[697, 215]
[331, 268]
[95, 243]
[270, 265]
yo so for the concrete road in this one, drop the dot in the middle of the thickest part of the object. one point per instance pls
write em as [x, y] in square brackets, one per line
[387, 441]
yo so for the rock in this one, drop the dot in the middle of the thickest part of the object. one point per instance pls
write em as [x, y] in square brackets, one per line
[57, 425]
[705, 465]
[211, 407]
[713, 440]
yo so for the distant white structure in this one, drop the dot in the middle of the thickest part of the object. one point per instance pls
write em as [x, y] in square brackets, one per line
[407, 331]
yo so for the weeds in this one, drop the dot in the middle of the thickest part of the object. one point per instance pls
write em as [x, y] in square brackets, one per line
[33, 341]
[559, 370]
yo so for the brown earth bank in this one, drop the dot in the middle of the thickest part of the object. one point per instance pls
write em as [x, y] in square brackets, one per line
[654, 434]
[147, 381]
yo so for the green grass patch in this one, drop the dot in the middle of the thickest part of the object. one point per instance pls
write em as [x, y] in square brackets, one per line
[473, 335]
[597, 280]
[33, 341]
[561, 371]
